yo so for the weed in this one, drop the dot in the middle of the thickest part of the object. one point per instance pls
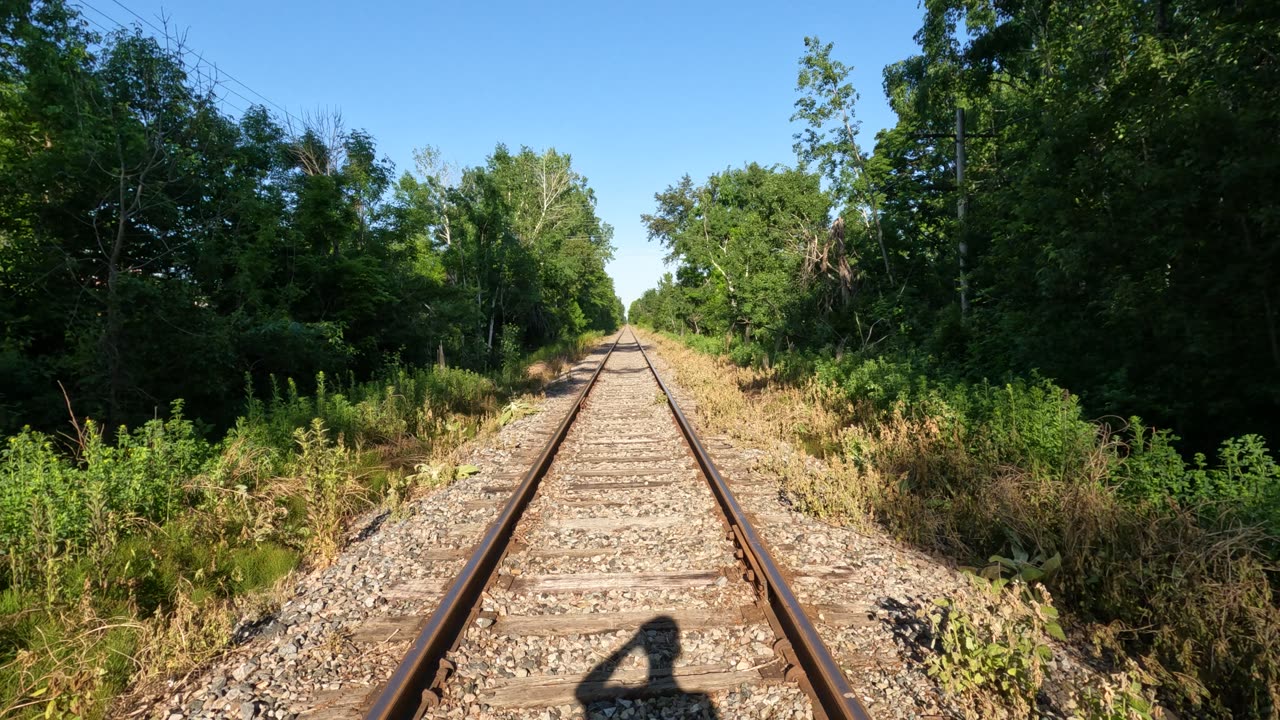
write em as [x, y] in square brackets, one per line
[124, 561]
[1118, 526]
[1121, 697]
[515, 410]
[332, 493]
[996, 648]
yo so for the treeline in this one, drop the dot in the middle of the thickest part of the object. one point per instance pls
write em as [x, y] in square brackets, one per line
[1120, 236]
[1008, 389]
[279, 278]
[154, 248]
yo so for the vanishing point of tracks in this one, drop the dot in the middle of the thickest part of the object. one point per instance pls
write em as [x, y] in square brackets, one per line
[621, 577]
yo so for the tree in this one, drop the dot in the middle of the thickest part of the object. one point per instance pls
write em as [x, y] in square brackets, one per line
[739, 241]
[152, 248]
[826, 104]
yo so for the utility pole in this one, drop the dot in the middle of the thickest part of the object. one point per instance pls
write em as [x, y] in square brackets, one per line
[962, 202]
[960, 208]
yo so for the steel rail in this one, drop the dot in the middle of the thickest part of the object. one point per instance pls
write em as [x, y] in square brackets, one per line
[825, 678]
[409, 691]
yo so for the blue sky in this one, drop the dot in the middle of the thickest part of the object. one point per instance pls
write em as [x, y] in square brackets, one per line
[640, 93]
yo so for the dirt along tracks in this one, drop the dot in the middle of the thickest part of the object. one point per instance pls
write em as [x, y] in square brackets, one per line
[619, 597]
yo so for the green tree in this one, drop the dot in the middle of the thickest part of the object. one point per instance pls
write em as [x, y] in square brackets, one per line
[740, 242]
[826, 105]
[152, 248]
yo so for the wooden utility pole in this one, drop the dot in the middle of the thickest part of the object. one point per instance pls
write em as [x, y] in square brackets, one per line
[962, 237]
[960, 208]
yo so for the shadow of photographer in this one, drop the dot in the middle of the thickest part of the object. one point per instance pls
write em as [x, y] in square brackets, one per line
[659, 638]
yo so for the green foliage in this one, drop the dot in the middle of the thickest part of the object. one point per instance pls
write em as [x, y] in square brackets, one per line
[1123, 700]
[509, 347]
[1119, 238]
[550, 360]
[740, 239]
[52, 509]
[513, 411]
[997, 646]
[399, 401]
[192, 245]
[749, 354]
[1245, 482]
[1103, 252]
[1109, 242]
[324, 466]
[1021, 567]
[1119, 526]
[130, 548]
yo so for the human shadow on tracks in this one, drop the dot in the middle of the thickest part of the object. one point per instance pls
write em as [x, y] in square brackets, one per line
[659, 696]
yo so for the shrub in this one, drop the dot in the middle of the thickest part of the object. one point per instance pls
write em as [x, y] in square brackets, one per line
[1174, 555]
[121, 555]
[1244, 485]
[324, 466]
[1119, 698]
[997, 647]
[53, 510]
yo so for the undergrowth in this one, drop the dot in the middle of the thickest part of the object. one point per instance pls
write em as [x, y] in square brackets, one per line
[997, 649]
[129, 559]
[1167, 561]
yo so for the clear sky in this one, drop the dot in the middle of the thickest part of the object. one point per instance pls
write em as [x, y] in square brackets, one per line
[639, 93]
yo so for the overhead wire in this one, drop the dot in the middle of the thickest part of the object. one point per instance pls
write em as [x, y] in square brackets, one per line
[218, 73]
[119, 24]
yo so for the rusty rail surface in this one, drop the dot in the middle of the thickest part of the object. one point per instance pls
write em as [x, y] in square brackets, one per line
[411, 690]
[823, 677]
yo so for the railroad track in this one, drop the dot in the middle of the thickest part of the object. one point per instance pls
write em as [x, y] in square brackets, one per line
[620, 579]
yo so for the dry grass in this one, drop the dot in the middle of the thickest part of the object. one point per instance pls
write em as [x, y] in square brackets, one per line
[543, 372]
[750, 406]
[1193, 605]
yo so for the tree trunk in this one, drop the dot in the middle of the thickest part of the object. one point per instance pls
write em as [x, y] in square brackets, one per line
[493, 313]
[1271, 328]
[962, 248]
[112, 337]
[871, 194]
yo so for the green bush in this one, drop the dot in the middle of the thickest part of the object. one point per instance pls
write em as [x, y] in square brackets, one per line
[996, 647]
[390, 406]
[1176, 556]
[749, 354]
[109, 543]
[703, 343]
[53, 508]
[1244, 485]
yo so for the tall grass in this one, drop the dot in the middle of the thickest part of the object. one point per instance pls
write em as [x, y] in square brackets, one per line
[1165, 560]
[126, 559]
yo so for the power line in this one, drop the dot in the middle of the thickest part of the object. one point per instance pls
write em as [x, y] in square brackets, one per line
[117, 22]
[106, 29]
[218, 73]
[216, 69]
[148, 22]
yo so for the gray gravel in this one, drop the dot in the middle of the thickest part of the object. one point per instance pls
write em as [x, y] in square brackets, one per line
[342, 629]
[589, 519]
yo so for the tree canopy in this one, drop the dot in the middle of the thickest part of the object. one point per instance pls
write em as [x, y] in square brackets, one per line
[1120, 196]
[153, 248]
